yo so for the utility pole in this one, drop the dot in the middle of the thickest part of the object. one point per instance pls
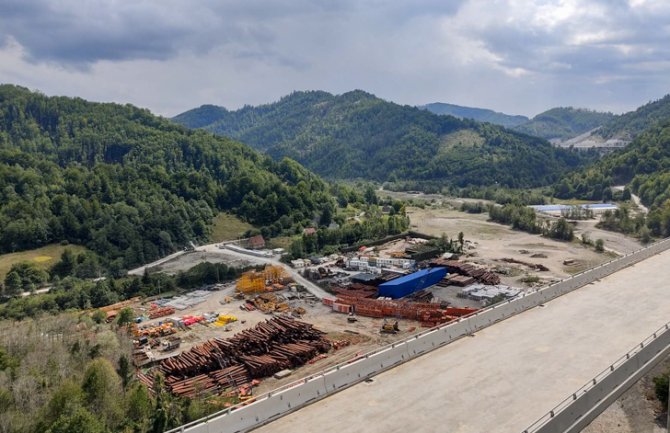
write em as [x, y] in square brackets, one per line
[668, 415]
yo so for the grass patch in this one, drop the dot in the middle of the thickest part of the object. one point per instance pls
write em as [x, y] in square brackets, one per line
[281, 242]
[44, 257]
[530, 279]
[460, 139]
[227, 227]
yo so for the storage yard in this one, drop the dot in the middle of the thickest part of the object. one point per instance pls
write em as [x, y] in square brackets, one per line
[264, 330]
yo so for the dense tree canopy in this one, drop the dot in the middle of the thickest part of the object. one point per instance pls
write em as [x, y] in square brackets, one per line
[356, 135]
[563, 123]
[478, 114]
[127, 184]
[632, 124]
[644, 164]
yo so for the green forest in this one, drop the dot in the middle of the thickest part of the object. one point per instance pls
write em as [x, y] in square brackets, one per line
[564, 123]
[378, 140]
[643, 166]
[131, 186]
[71, 374]
[478, 114]
[632, 124]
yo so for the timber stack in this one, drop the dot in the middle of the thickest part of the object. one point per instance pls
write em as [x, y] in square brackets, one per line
[481, 275]
[218, 364]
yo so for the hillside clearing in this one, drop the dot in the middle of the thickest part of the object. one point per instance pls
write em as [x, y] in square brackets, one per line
[43, 257]
[226, 227]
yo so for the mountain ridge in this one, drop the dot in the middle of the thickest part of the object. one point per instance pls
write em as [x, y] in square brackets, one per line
[564, 123]
[379, 140]
[474, 113]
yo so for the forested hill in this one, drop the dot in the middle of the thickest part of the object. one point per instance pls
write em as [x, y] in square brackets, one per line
[357, 135]
[563, 123]
[631, 124]
[644, 165]
[129, 185]
[478, 114]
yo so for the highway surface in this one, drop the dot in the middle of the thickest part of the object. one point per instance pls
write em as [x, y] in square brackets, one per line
[506, 376]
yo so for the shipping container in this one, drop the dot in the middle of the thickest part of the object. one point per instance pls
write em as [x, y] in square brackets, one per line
[411, 283]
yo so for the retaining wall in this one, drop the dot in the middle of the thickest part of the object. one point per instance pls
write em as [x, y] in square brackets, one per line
[298, 394]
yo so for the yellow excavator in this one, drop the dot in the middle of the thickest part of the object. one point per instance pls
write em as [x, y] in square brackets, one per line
[389, 327]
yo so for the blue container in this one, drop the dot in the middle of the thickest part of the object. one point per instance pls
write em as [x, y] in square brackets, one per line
[411, 283]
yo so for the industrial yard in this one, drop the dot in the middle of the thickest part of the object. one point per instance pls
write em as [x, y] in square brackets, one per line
[279, 323]
[231, 339]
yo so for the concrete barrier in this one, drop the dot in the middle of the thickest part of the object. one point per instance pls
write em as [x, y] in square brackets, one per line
[289, 398]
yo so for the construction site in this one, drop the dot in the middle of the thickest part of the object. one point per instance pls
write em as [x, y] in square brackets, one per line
[238, 339]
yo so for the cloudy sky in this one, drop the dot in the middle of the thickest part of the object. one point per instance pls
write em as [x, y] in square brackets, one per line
[516, 56]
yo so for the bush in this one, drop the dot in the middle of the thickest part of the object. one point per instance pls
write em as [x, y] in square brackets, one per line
[530, 279]
[600, 245]
[98, 316]
[661, 384]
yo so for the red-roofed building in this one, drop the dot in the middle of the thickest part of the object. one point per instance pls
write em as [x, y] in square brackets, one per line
[309, 231]
[256, 242]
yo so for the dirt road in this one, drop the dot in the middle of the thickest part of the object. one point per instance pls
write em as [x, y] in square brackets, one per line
[311, 287]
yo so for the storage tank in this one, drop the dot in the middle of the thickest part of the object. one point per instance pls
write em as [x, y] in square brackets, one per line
[411, 283]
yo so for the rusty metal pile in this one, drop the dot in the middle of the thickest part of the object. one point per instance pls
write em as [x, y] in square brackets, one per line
[218, 364]
[157, 312]
[357, 291]
[481, 275]
[428, 313]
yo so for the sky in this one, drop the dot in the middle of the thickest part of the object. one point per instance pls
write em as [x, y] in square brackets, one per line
[515, 56]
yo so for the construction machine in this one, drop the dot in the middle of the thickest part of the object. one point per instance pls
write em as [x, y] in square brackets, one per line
[389, 327]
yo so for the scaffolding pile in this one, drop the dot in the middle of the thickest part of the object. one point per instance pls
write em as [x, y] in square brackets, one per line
[269, 279]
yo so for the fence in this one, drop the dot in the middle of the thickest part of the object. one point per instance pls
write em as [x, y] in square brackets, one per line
[293, 396]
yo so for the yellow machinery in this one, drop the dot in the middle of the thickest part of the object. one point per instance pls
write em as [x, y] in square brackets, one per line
[225, 319]
[261, 281]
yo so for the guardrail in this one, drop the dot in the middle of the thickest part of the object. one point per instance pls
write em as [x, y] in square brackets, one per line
[584, 405]
[295, 395]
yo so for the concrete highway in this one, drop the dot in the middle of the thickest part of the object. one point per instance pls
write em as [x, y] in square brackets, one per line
[508, 375]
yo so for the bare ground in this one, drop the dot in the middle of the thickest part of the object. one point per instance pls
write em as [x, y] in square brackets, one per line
[493, 242]
[186, 261]
[613, 241]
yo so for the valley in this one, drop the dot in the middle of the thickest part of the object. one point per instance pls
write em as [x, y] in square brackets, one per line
[179, 253]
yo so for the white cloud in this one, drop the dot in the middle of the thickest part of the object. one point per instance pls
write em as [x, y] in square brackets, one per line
[519, 56]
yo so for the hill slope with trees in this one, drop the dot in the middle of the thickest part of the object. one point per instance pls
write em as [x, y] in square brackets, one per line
[644, 166]
[478, 114]
[631, 124]
[357, 135]
[646, 159]
[563, 123]
[129, 185]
